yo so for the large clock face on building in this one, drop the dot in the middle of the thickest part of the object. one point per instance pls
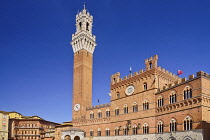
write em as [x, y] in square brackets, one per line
[129, 90]
[76, 107]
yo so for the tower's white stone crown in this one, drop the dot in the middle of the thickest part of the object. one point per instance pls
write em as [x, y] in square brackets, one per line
[83, 38]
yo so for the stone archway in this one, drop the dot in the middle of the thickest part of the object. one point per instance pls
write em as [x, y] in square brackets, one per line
[67, 137]
[77, 138]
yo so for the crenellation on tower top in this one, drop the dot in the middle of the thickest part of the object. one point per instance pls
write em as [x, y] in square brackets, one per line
[151, 62]
[115, 78]
[83, 38]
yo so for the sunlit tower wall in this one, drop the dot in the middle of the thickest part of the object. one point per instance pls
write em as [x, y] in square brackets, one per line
[83, 44]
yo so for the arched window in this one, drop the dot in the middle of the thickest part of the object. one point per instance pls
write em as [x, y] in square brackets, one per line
[172, 97]
[107, 132]
[145, 128]
[150, 65]
[84, 133]
[125, 108]
[173, 125]
[125, 130]
[187, 123]
[87, 26]
[67, 137]
[98, 132]
[135, 107]
[187, 92]
[91, 115]
[160, 101]
[117, 111]
[107, 113]
[145, 105]
[99, 114]
[116, 131]
[145, 86]
[134, 129]
[91, 133]
[80, 25]
[160, 127]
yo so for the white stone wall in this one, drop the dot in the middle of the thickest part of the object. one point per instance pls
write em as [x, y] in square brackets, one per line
[72, 134]
[191, 135]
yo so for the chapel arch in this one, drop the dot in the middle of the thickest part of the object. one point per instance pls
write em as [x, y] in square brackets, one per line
[76, 138]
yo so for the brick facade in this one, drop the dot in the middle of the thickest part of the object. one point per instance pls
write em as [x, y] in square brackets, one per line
[149, 104]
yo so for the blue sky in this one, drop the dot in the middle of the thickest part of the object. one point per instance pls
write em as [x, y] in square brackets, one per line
[36, 57]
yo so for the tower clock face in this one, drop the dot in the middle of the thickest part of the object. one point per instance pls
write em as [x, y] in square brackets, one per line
[129, 90]
[76, 107]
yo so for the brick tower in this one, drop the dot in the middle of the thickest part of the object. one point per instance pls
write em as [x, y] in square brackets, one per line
[83, 44]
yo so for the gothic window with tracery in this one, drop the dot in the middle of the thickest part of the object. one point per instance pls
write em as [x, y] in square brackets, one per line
[187, 93]
[99, 114]
[125, 109]
[172, 97]
[98, 132]
[125, 130]
[91, 115]
[173, 125]
[134, 129]
[145, 105]
[107, 132]
[117, 131]
[91, 133]
[117, 111]
[160, 101]
[135, 107]
[107, 113]
[160, 127]
[187, 123]
[145, 128]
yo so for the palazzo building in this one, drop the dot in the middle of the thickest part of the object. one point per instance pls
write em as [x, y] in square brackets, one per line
[30, 127]
[4, 119]
[150, 104]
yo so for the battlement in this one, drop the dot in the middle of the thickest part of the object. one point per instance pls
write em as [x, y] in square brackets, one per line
[167, 72]
[155, 57]
[183, 80]
[98, 106]
[151, 62]
[115, 78]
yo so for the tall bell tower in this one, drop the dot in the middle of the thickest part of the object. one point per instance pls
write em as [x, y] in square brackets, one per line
[83, 44]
